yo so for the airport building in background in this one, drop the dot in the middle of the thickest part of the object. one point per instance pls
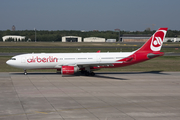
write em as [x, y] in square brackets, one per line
[111, 40]
[94, 39]
[71, 39]
[135, 38]
[144, 38]
[14, 37]
[168, 39]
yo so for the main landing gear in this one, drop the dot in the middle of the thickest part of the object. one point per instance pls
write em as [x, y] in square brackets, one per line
[25, 72]
[87, 73]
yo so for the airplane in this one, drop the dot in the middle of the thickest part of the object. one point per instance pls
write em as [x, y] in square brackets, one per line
[70, 63]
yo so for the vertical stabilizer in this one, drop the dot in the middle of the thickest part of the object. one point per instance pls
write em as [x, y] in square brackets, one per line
[155, 43]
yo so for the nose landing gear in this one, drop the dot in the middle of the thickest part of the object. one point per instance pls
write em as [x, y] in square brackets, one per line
[25, 72]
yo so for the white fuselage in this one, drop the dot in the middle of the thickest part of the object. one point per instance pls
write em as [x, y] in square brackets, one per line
[56, 60]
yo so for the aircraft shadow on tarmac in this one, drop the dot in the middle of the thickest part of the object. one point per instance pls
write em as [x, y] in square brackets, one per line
[108, 77]
[150, 72]
[99, 74]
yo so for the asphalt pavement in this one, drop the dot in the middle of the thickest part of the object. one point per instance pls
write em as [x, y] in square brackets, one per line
[106, 96]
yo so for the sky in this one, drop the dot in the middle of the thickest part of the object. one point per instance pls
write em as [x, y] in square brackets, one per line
[88, 15]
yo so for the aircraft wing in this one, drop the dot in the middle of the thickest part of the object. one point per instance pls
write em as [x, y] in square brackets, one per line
[84, 64]
[97, 63]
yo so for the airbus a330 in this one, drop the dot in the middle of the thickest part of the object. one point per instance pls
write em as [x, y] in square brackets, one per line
[70, 63]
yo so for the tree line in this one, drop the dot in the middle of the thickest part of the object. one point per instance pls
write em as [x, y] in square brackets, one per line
[45, 35]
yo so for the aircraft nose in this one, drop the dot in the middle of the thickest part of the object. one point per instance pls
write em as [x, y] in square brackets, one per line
[7, 62]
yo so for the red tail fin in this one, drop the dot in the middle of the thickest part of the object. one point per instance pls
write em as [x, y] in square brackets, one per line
[149, 50]
[155, 43]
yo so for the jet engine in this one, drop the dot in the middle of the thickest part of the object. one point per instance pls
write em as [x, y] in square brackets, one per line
[69, 70]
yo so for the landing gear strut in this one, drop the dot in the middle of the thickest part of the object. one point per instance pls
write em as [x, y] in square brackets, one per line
[25, 72]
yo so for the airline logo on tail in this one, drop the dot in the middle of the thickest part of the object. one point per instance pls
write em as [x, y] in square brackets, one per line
[157, 40]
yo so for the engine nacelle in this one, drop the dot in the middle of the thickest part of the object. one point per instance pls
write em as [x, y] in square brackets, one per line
[69, 70]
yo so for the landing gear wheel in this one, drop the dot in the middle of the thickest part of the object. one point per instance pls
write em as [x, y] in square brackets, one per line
[92, 73]
[82, 71]
[25, 72]
[87, 73]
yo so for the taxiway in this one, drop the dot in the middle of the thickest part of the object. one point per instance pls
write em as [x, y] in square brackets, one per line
[106, 96]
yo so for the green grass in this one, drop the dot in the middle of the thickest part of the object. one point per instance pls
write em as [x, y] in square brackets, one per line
[77, 47]
[177, 44]
[63, 50]
[63, 44]
[172, 50]
[164, 63]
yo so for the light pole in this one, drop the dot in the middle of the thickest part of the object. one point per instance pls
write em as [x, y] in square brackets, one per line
[118, 30]
[35, 34]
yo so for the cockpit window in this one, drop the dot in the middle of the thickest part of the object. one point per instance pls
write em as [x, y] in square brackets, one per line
[13, 59]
